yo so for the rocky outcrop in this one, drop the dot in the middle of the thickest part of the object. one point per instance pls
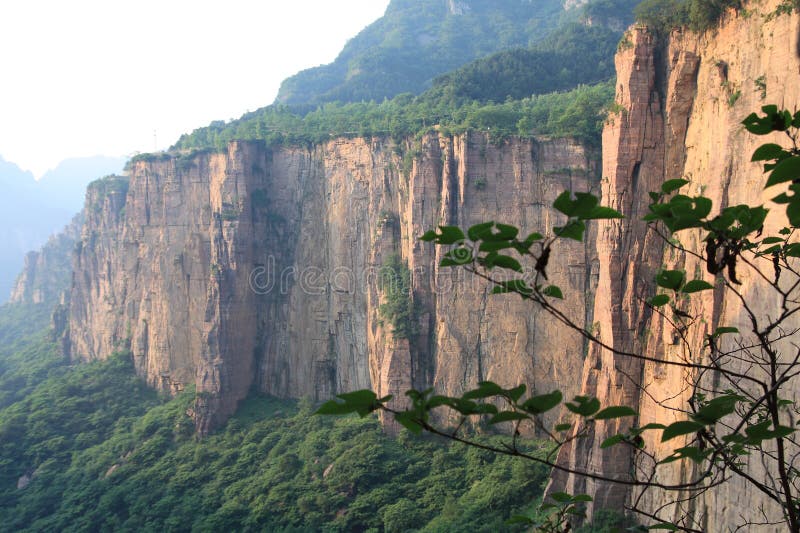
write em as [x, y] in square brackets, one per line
[259, 267]
[47, 272]
[681, 100]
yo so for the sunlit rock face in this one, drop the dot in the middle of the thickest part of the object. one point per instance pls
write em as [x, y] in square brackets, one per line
[259, 267]
[680, 104]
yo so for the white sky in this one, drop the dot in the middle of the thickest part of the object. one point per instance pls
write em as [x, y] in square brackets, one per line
[91, 77]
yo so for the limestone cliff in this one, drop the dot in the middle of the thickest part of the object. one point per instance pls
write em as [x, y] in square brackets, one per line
[259, 267]
[47, 272]
[681, 100]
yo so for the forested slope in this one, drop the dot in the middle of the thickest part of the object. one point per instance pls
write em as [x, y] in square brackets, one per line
[88, 447]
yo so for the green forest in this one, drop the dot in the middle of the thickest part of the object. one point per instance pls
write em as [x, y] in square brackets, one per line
[578, 113]
[416, 41]
[558, 84]
[100, 451]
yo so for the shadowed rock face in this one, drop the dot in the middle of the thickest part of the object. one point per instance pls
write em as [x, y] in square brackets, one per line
[259, 267]
[681, 118]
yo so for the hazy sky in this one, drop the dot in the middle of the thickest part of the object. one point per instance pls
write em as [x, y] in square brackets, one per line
[89, 77]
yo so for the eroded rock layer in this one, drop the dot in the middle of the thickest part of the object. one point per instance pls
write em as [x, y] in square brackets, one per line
[260, 267]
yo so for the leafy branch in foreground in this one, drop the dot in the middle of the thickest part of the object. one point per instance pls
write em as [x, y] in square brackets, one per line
[738, 420]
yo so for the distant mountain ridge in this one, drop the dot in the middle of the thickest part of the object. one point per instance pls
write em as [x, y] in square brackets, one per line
[418, 40]
[31, 211]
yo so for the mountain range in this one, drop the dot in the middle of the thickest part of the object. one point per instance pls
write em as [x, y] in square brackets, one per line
[31, 211]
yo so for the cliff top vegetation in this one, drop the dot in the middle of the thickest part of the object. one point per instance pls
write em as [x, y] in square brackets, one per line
[523, 90]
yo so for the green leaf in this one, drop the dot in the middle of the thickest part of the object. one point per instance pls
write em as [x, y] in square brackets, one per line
[563, 427]
[516, 393]
[673, 185]
[663, 525]
[581, 498]
[450, 235]
[484, 409]
[332, 407]
[507, 416]
[584, 204]
[767, 151]
[429, 235]
[515, 285]
[438, 400]
[465, 407]
[787, 170]
[572, 230]
[792, 250]
[447, 262]
[581, 207]
[793, 210]
[724, 329]
[734, 437]
[505, 232]
[533, 237]
[564, 203]
[616, 411]
[493, 246]
[611, 441]
[457, 256]
[652, 425]
[773, 120]
[677, 429]
[670, 279]
[602, 212]
[561, 497]
[485, 390]
[542, 403]
[783, 431]
[519, 519]
[407, 420]
[658, 300]
[503, 261]
[584, 405]
[363, 401]
[553, 291]
[359, 397]
[717, 408]
[760, 432]
[696, 285]
[477, 231]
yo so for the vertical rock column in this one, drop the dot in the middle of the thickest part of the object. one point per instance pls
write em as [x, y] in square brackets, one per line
[633, 164]
[225, 369]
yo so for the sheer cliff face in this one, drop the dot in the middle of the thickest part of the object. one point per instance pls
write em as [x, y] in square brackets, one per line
[682, 101]
[47, 272]
[260, 267]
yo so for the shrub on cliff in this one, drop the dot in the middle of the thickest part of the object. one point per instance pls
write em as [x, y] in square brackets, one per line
[398, 306]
